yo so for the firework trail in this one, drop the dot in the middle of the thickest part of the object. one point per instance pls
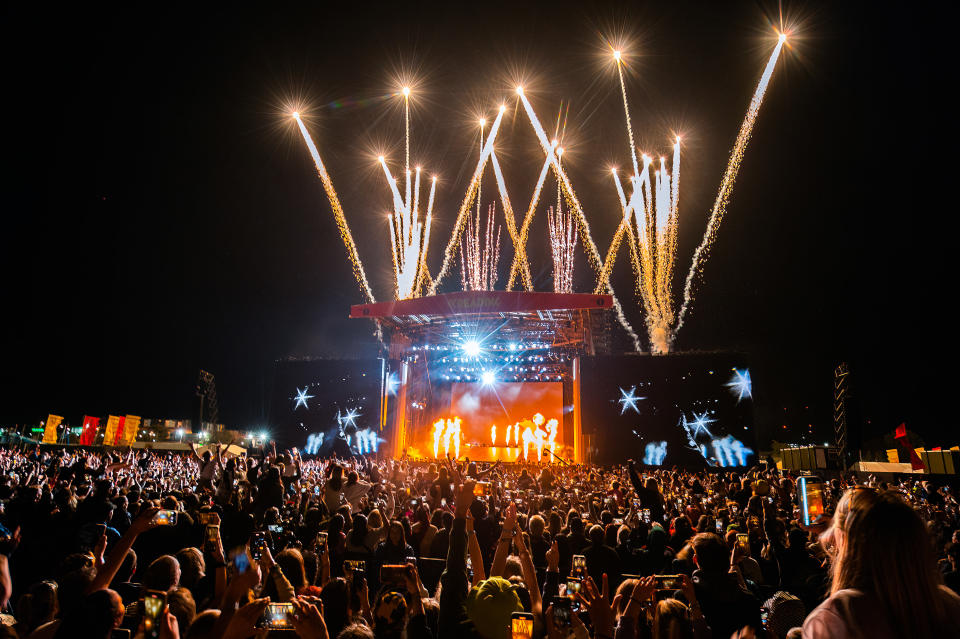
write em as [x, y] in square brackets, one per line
[525, 228]
[626, 111]
[423, 272]
[511, 221]
[729, 177]
[562, 245]
[338, 215]
[463, 213]
[593, 255]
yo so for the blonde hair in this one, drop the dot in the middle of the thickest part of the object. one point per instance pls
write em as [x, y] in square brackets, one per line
[883, 548]
[671, 620]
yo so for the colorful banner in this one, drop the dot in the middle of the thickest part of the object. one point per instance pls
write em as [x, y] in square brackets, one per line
[89, 432]
[130, 427]
[904, 441]
[114, 424]
[50, 429]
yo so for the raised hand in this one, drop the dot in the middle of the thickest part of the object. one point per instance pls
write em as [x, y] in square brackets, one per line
[598, 604]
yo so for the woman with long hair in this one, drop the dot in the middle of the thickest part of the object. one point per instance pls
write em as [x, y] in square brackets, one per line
[885, 581]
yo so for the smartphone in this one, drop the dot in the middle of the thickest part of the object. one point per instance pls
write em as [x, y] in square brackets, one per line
[257, 544]
[212, 536]
[166, 518]
[573, 587]
[394, 575]
[645, 515]
[481, 489]
[277, 616]
[100, 530]
[414, 503]
[521, 625]
[719, 527]
[153, 604]
[579, 566]
[810, 490]
[636, 504]
[562, 611]
[617, 521]
[354, 565]
[321, 542]
[668, 582]
[205, 518]
[743, 540]
[275, 528]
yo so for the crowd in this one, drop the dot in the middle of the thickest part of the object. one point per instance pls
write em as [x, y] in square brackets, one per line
[160, 544]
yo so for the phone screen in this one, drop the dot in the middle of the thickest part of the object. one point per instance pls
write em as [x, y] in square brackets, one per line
[719, 526]
[562, 611]
[744, 541]
[521, 625]
[811, 499]
[277, 616]
[153, 604]
[166, 518]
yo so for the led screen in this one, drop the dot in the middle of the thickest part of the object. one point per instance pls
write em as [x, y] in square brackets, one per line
[325, 405]
[481, 406]
[686, 409]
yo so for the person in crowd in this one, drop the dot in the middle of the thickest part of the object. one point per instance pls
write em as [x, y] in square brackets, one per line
[82, 544]
[885, 581]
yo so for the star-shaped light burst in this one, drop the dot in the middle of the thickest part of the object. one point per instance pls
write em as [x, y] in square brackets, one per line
[349, 418]
[629, 400]
[700, 423]
[301, 398]
[740, 384]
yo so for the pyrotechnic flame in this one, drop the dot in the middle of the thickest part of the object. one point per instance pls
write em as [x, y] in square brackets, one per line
[449, 432]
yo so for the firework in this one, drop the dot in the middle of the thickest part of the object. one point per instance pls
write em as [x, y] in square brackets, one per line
[650, 217]
[464, 211]
[562, 243]
[338, 215]
[520, 257]
[480, 253]
[593, 255]
[729, 177]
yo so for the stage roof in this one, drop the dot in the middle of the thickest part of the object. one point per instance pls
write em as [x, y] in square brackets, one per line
[422, 310]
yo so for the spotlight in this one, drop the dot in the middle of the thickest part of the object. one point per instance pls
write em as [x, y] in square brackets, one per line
[487, 378]
[616, 56]
[519, 90]
[406, 92]
[296, 115]
[471, 348]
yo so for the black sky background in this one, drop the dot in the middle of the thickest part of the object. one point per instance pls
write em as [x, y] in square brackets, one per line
[161, 215]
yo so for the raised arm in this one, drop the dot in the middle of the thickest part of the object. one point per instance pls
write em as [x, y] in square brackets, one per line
[503, 544]
[529, 571]
[113, 560]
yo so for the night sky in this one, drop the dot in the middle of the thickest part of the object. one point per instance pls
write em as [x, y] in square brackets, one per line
[161, 215]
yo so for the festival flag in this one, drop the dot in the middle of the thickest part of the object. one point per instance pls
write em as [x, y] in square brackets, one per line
[50, 429]
[89, 432]
[901, 436]
[114, 424]
[131, 424]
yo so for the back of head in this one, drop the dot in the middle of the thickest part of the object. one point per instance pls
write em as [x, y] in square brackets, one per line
[711, 553]
[291, 563]
[162, 574]
[183, 607]
[202, 626]
[886, 551]
[671, 620]
[489, 606]
[192, 566]
[537, 526]
[335, 596]
[596, 535]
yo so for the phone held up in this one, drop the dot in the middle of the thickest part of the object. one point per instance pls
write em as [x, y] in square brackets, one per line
[810, 491]
[153, 604]
[521, 625]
